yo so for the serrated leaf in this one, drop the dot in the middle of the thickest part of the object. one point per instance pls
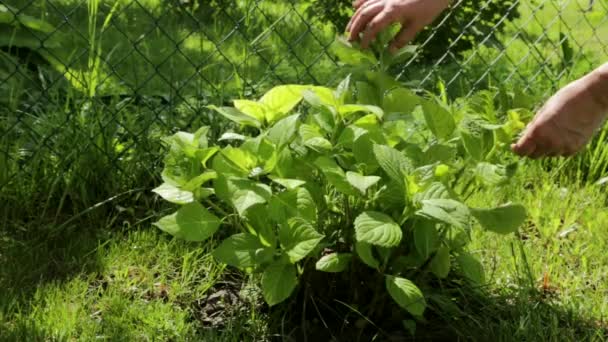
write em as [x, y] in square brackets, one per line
[334, 262]
[438, 119]
[477, 141]
[377, 229]
[361, 182]
[434, 191]
[502, 220]
[494, 175]
[298, 238]
[406, 294]
[447, 211]
[278, 282]
[238, 250]
[365, 253]
[237, 116]
[426, 238]
[192, 222]
[394, 163]
[471, 268]
[440, 265]
[283, 131]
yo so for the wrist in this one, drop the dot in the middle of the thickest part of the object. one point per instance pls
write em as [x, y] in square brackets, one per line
[597, 85]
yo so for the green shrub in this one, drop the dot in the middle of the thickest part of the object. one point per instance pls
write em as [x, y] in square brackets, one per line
[366, 182]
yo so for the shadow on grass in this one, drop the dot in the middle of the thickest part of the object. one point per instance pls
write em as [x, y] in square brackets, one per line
[456, 315]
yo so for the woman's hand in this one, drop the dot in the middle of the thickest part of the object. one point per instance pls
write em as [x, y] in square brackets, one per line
[569, 119]
[373, 16]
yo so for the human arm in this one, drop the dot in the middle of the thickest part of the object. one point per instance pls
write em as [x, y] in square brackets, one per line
[569, 119]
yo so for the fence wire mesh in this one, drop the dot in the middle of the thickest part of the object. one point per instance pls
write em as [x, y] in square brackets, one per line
[88, 88]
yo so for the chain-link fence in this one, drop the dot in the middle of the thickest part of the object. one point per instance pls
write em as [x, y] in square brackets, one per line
[88, 88]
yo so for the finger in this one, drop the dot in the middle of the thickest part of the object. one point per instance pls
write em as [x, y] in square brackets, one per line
[377, 24]
[362, 18]
[359, 3]
[362, 6]
[405, 35]
[525, 146]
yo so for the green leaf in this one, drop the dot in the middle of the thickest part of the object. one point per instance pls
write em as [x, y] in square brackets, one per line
[471, 268]
[447, 211]
[283, 131]
[241, 193]
[335, 175]
[394, 163]
[257, 217]
[237, 116]
[281, 100]
[174, 194]
[349, 54]
[293, 203]
[365, 253]
[434, 191]
[349, 109]
[367, 94]
[334, 262]
[298, 238]
[198, 181]
[495, 175]
[7, 16]
[251, 108]
[438, 119]
[244, 199]
[238, 250]
[289, 184]
[320, 96]
[341, 92]
[503, 220]
[440, 265]
[192, 222]
[361, 182]
[400, 100]
[278, 282]
[477, 141]
[313, 139]
[426, 238]
[377, 229]
[406, 294]
[240, 159]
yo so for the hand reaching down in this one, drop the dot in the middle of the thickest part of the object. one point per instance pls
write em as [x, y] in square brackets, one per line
[373, 16]
[569, 119]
